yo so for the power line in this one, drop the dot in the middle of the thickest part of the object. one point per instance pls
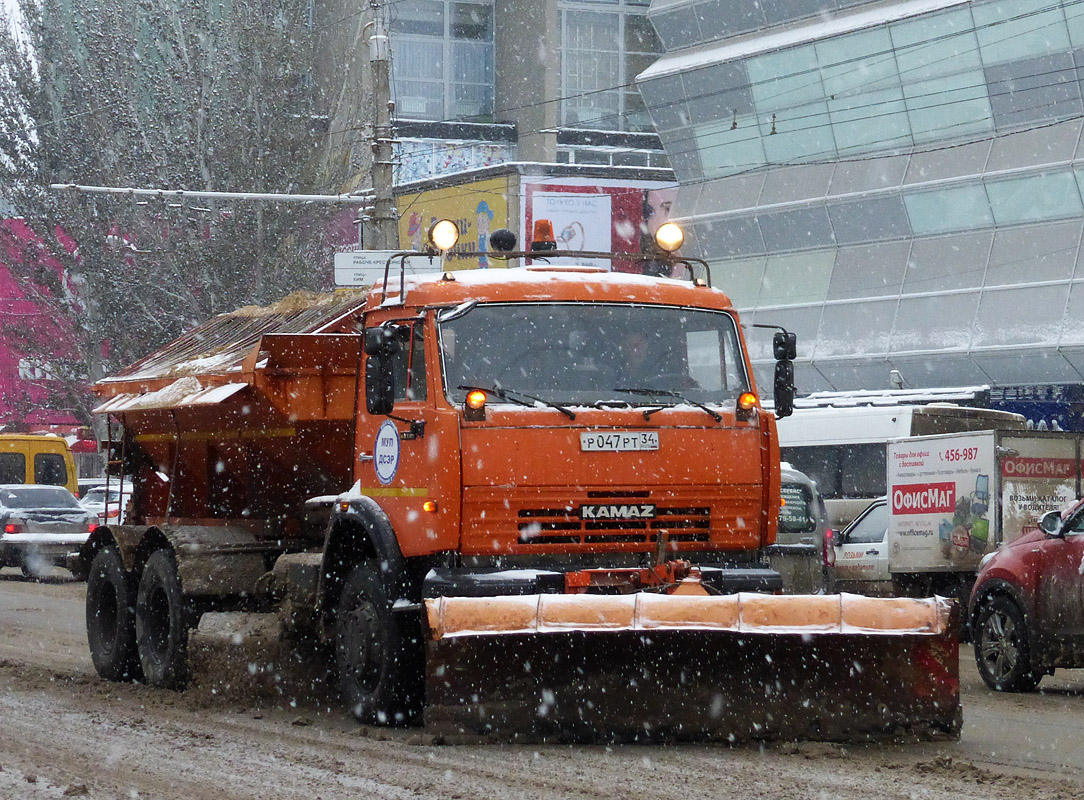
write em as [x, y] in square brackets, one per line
[333, 199]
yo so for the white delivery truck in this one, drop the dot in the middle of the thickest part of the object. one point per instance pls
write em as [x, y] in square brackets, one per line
[953, 498]
[843, 448]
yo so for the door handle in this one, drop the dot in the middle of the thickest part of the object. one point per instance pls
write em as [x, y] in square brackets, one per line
[873, 552]
[365, 456]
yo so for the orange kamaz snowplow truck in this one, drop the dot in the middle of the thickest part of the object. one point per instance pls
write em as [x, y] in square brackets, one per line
[527, 502]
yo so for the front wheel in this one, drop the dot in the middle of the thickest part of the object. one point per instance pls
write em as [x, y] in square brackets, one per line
[162, 622]
[1002, 648]
[378, 660]
[111, 618]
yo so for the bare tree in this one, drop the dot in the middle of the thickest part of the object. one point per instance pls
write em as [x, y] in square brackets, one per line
[194, 94]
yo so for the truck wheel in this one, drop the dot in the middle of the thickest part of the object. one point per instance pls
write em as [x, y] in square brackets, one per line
[111, 618]
[378, 660]
[161, 623]
[1002, 649]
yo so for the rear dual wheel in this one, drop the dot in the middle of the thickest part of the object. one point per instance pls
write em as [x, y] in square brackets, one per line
[1002, 647]
[162, 621]
[110, 609]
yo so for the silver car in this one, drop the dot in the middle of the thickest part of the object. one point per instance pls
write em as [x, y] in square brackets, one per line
[109, 504]
[40, 526]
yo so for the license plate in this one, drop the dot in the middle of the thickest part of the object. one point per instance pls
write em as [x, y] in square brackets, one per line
[619, 441]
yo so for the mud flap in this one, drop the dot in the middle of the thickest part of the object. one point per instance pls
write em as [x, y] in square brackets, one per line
[651, 667]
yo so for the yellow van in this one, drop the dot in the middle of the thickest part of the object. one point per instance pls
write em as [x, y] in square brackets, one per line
[34, 458]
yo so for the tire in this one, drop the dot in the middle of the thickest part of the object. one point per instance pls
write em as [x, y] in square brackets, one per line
[1002, 647]
[378, 659]
[162, 623]
[111, 618]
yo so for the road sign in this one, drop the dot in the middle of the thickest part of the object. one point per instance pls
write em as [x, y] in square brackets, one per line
[362, 267]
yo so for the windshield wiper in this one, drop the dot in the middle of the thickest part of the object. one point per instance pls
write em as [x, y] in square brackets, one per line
[667, 393]
[516, 397]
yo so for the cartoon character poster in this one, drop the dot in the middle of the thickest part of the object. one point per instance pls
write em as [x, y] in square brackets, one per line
[477, 209]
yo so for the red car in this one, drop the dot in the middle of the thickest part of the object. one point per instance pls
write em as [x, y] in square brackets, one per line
[1027, 607]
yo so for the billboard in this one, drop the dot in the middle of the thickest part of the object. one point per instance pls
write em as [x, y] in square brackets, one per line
[477, 208]
[598, 214]
[1038, 474]
[939, 497]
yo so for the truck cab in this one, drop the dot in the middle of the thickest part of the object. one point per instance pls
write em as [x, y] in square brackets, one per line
[523, 418]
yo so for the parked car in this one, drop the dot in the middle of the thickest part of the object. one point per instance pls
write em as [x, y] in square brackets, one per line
[40, 526]
[108, 503]
[861, 553]
[800, 551]
[1027, 607]
[86, 484]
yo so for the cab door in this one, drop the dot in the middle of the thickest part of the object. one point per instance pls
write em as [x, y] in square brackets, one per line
[408, 460]
[862, 553]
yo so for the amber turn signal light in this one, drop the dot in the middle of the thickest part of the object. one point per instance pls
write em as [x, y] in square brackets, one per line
[747, 401]
[430, 506]
[475, 405]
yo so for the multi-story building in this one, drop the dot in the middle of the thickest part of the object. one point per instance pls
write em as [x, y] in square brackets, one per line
[899, 182]
[495, 99]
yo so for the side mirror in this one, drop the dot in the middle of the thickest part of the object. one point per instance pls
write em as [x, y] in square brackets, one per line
[1050, 523]
[381, 339]
[785, 346]
[784, 388]
[381, 345]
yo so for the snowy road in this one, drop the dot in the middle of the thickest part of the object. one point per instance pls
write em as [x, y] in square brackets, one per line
[63, 732]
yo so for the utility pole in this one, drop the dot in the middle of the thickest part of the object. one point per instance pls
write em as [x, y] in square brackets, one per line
[382, 231]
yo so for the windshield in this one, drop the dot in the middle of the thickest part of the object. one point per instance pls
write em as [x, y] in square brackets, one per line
[38, 497]
[797, 514]
[586, 353]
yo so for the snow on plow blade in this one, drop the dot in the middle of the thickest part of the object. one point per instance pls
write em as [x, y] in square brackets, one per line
[652, 666]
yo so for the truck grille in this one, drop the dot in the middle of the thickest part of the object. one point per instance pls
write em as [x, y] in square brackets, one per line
[543, 526]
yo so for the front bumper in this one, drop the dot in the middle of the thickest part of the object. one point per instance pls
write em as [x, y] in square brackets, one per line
[477, 582]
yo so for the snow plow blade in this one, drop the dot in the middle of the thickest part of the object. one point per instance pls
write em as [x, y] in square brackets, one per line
[590, 668]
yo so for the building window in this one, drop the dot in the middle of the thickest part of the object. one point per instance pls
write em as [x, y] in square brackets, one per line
[442, 59]
[958, 208]
[604, 45]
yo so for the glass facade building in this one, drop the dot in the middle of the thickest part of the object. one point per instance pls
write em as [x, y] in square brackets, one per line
[900, 183]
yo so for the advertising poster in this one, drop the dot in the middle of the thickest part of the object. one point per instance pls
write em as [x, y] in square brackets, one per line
[1038, 474]
[581, 221]
[477, 208]
[939, 497]
[597, 214]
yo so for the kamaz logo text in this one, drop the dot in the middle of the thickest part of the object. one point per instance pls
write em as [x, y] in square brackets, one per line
[645, 511]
